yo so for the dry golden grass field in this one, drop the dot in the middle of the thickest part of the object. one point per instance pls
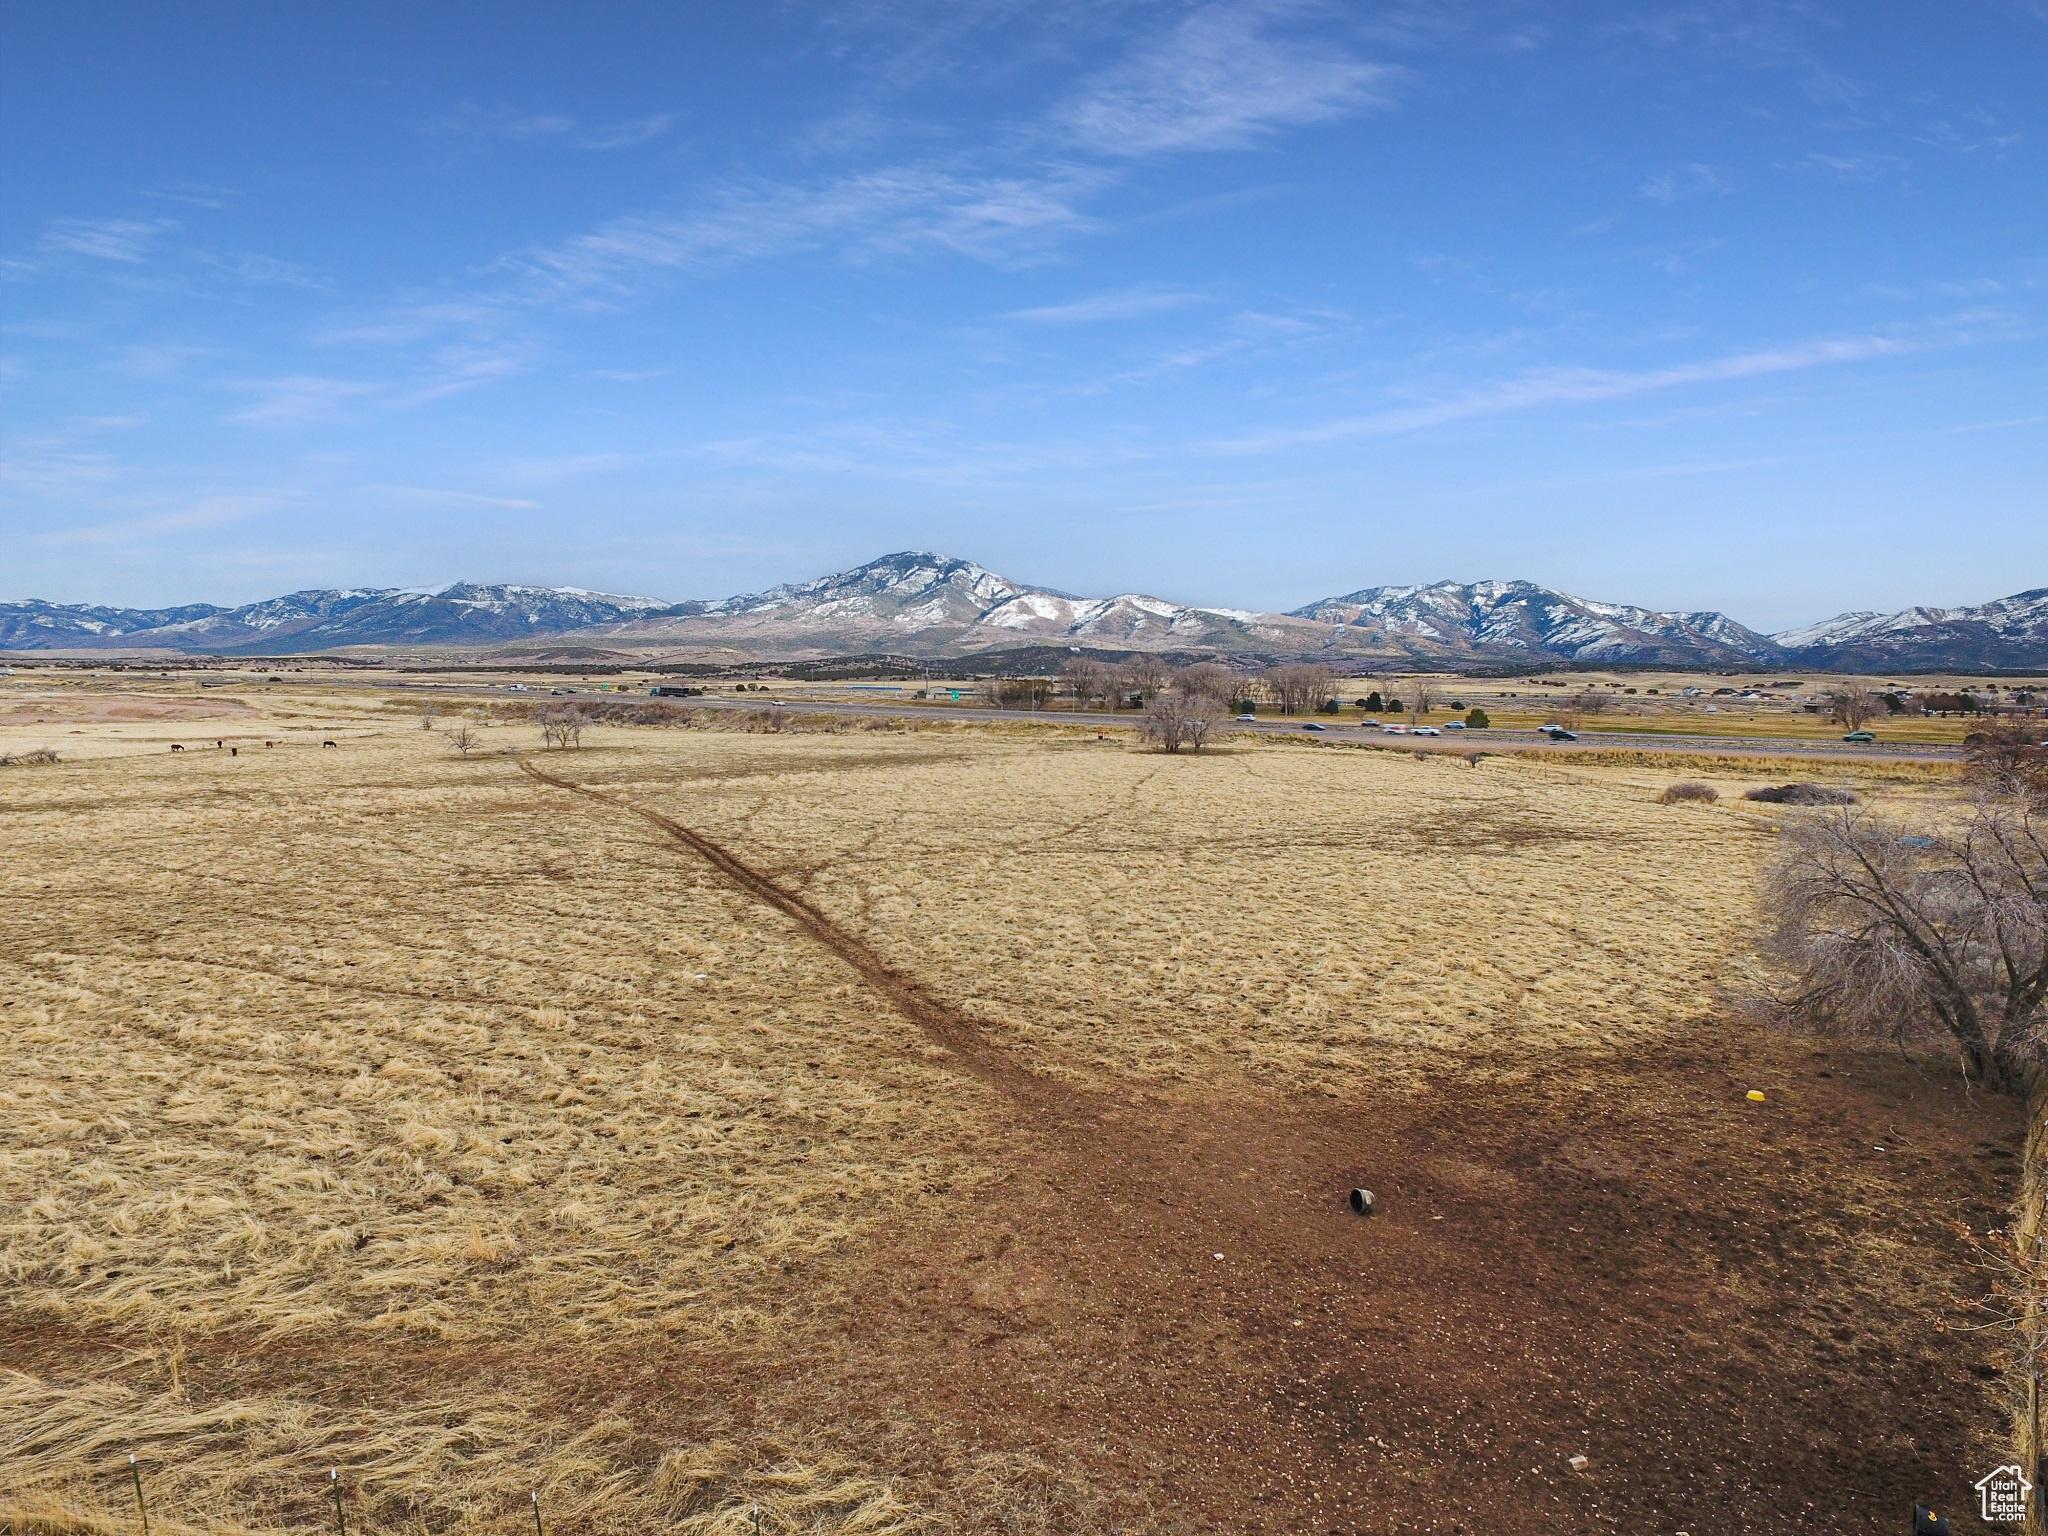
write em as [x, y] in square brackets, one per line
[882, 1130]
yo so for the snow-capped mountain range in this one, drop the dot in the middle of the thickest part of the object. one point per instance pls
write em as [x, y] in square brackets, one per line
[1506, 618]
[932, 605]
[322, 620]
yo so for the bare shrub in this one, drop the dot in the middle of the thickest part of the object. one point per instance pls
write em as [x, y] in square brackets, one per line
[605, 711]
[561, 725]
[1589, 701]
[1801, 794]
[1688, 791]
[34, 758]
[465, 740]
[1022, 692]
[2011, 761]
[1895, 936]
[428, 714]
[1853, 706]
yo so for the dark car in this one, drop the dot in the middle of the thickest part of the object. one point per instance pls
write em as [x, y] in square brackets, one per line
[1859, 736]
[1562, 735]
[1312, 726]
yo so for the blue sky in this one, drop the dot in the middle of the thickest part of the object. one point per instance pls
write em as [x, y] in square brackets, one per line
[1734, 306]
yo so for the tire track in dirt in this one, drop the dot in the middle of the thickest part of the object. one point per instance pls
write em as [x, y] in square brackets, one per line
[1167, 1302]
[944, 1025]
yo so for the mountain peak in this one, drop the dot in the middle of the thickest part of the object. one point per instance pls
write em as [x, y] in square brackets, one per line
[1507, 618]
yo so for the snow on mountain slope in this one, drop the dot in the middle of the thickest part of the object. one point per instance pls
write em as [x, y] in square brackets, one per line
[924, 603]
[463, 613]
[2008, 632]
[1508, 618]
[920, 603]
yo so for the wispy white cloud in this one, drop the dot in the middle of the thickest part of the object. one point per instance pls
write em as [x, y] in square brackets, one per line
[300, 398]
[897, 208]
[264, 271]
[474, 122]
[435, 495]
[205, 512]
[1219, 80]
[624, 135]
[194, 195]
[1695, 180]
[1851, 167]
[125, 240]
[1568, 386]
[1131, 304]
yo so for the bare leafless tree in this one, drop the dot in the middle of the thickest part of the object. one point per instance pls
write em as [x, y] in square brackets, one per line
[1145, 674]
[1175, 720]
[1945, 933]
[1206, 680]
[1422, 696]
[1300, 688]
[1589, 701]
[1853, 706]
[1200, 716]
[1088, 678]
[464, 740]
[561, 725]
[428, 714]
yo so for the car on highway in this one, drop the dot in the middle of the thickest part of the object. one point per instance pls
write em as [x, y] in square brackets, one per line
[1559, 733]
[1859, 736]
[1312, 726]
[1371, 725]
[1454, 725]
[1247, 719]
[1424, 730]
[1395, 730]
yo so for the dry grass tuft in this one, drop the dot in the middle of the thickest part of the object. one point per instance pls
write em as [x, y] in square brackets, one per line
[1689, 792]
[260, 1464]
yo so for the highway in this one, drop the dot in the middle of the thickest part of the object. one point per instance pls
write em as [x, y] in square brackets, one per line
[1335, 729]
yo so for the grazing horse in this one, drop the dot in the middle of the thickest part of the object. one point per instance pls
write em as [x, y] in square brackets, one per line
[330, 743]
[176, 748]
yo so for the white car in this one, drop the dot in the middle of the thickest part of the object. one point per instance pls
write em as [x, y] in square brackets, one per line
[1247, 719]
[1424, 730]
[1455, 725]
[1395, 730]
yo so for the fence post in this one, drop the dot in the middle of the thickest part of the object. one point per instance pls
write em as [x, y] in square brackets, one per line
[334, 1487]
[135, 1475]
[535, 1496]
